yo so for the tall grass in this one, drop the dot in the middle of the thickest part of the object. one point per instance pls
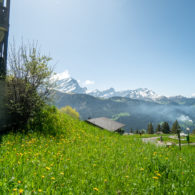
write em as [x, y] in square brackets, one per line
[87, 160]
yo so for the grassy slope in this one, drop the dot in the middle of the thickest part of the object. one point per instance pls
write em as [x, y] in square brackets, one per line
[87, 160]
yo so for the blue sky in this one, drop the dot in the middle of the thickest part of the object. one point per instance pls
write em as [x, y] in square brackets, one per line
[125, 44]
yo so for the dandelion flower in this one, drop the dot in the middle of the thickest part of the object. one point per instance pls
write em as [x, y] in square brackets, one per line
[96, 189]
[19, 181]
[42, 176]
[48, 168]
[39, 190]
[155, 177]
[53, 178]
[14, 189]
[61, 173]
[158, 174]
[21, 191]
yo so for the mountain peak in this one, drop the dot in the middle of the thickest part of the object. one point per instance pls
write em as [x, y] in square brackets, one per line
[66, 84]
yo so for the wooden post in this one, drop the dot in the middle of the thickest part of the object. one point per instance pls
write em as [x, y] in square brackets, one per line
[179, 138]
[188, 136]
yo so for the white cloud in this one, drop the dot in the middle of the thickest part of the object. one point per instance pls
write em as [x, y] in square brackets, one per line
[88, 82]
[63, 75]
[193, 95]
[184, 118]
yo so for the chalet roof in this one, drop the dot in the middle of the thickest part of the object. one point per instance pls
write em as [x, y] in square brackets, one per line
[106, 123]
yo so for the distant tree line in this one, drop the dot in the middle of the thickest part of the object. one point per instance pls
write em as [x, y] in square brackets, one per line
[164, 128]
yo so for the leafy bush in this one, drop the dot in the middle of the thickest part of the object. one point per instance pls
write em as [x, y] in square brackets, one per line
[28, 84]
[70, 111]
[48, 121]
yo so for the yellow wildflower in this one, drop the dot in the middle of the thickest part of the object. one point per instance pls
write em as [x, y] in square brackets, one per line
[127, 176]
[19, 181]
[14, 189]
[142, 169]
[42, 176]
[48, 168]
[96, 189]
[61, 173]
[158, 174]
[53, 178]
[21, 191]
[39, 190]
[155, 177]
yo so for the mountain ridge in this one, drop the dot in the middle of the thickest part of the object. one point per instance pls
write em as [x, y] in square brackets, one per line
[134, 113]
[67, 84]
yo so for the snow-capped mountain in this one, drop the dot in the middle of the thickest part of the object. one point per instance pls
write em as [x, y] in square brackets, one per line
[66, 84]
[105, 93]
[141, 93]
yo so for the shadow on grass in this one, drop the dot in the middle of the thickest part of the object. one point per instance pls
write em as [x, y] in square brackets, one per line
[4, 131]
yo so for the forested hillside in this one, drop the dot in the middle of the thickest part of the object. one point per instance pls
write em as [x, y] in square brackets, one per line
[134, 113]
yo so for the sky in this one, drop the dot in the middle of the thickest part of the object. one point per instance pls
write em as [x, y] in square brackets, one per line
[125, 44]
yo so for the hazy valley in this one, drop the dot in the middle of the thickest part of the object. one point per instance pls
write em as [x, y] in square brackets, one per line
[135, 108]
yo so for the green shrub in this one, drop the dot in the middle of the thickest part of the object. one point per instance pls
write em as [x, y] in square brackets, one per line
[70, 111]
[48, 121]
[28, 84]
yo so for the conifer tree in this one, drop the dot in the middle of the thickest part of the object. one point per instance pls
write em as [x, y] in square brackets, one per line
[158, 128]
[150, 129]
[175, 127]
[165, 128]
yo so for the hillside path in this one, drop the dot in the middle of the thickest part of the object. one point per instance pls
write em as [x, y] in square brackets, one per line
[159, 143]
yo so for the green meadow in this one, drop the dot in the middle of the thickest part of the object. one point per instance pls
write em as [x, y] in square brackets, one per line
[83, 159]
